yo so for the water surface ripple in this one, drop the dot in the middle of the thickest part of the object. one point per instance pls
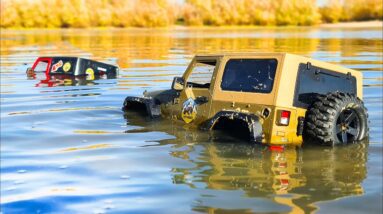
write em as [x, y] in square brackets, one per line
[69, 148]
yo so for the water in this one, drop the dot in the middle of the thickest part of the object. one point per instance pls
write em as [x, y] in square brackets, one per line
[69, 148]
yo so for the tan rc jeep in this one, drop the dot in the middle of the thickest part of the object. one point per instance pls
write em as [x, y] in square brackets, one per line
[275, 98]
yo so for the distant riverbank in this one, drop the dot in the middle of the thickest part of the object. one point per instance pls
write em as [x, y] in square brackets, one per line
[360, 24]
[363, 24]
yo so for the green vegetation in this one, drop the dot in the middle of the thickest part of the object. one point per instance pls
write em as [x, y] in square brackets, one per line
[160, 13]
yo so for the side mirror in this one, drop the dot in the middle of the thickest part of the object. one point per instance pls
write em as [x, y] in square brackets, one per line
[30, 72]
[178, 83]
[201, 100]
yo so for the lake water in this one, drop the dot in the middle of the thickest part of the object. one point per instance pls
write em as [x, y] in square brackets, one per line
[70, 149]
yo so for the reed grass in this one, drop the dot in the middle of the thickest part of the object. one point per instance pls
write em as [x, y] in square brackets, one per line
[250, 12]
[86, 13]
[162, 13]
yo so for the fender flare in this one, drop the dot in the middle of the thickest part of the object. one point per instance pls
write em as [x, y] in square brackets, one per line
[253, 123]
[152, 108]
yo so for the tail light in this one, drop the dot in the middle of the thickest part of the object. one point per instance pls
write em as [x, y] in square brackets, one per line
[276, 148]
[284, 118]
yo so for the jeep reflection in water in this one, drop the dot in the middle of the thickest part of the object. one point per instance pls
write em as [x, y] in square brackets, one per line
[275, 98]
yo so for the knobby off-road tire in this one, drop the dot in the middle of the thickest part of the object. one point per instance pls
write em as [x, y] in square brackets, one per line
[336, 118]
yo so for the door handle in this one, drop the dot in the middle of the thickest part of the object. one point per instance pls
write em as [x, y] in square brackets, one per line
[201, 100]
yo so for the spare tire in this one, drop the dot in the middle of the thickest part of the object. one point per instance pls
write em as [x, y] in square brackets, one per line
[336, 118]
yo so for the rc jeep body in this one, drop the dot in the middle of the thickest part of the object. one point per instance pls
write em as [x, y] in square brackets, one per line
[72, 66]
[277, 98]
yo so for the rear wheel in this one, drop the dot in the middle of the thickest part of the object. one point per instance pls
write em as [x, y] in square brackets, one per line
[337, 118]
[348, 126]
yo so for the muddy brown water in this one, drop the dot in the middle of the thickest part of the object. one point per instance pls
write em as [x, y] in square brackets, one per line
[69, 148]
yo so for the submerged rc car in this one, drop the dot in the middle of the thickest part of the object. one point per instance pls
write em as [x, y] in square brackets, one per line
[275, 98]
[73, 66]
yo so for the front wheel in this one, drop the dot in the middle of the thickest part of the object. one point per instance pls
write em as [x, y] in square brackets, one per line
[337, 118]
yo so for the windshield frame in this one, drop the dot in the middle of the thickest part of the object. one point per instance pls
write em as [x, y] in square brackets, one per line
[199, 59]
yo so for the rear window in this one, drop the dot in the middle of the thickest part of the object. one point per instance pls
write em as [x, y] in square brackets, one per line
[249, 75]
[96, 67]
[313, 81]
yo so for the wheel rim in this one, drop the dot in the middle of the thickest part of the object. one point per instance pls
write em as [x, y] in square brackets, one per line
[348, 126]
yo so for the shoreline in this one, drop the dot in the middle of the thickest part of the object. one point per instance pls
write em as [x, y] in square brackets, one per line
[361, 24]
[358, 24]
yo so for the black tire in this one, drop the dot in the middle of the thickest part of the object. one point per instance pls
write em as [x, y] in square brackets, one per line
[336, 118]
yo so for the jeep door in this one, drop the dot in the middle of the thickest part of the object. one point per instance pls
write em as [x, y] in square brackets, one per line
[248, 84]
[193, 104]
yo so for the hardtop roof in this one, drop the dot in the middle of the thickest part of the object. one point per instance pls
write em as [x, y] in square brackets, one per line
[75, 57]
[241, 54]
[58, 57]
[299, 58]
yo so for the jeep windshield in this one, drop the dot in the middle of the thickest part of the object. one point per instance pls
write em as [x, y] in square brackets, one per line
[249, 75]
[201, 74]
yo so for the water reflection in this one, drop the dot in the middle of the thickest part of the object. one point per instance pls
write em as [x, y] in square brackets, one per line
[48, 80]
[294, 177]
[128, 46]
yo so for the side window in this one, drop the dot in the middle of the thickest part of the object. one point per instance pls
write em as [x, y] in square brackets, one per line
[201, 74]
[314, 81]
[97, 68]
[63, 65]
[41, 66]
[249, 75]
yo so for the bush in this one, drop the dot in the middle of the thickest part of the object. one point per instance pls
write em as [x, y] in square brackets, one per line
[86, 13]
[251, 12]
[352, 10]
